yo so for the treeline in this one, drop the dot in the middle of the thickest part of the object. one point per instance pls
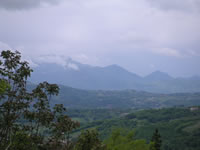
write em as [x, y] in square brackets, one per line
[125, 99]
[27, 121]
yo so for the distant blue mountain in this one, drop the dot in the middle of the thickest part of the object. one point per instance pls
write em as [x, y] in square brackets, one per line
[158, 76]
[111, 77]
[194, 78]
[84, 76]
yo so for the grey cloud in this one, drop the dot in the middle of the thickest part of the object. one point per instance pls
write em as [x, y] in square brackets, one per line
[24, 4]
[103, 32]
[177, 5]
[65, 62]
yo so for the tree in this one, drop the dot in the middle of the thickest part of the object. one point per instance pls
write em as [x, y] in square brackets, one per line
[25, 115]
[156, 138]
[88, 140]
[14, 100]
[40, 114]
[61, 128]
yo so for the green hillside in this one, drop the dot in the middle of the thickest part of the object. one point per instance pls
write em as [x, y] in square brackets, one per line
[179, 127]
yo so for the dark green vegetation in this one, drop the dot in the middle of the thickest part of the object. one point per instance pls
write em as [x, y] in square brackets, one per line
[26, 117]
[179, 127]
[76, 98]
[122, 140]
[156, 138]
[112, 77]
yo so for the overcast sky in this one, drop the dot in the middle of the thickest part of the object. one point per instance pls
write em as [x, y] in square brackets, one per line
[139, 35]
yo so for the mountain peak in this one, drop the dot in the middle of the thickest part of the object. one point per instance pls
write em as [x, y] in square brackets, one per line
[158, 75]
[114, 66]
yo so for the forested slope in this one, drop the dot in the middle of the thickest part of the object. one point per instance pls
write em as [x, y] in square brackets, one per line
[179, 127]
[76, 98]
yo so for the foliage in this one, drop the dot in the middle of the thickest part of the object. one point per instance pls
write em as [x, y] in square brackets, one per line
[25, 116]
[61, 128]
[3, 86]
[88, 140]
[22, 141]
[15, 99]
[179, 127]
[119, 140]
[156, 138]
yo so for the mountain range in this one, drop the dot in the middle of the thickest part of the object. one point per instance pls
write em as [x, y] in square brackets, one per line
[113, 77]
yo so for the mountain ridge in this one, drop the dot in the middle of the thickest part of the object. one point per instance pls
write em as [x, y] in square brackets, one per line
[112, 77]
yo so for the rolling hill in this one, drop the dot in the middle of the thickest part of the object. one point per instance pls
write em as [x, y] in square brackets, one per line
[93, 99]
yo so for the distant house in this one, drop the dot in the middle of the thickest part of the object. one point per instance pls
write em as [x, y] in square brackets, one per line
[194, 108]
